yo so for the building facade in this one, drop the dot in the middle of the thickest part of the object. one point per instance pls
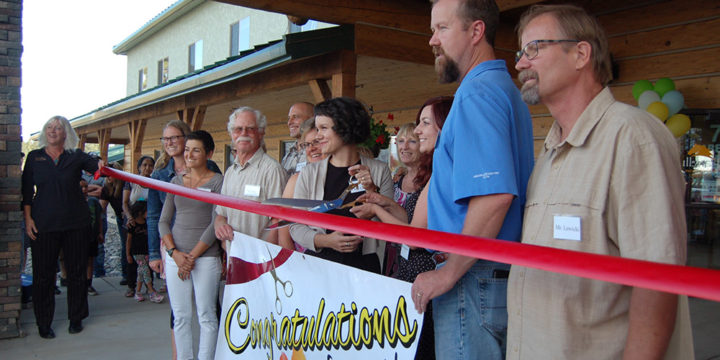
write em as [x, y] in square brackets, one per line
[192, 34]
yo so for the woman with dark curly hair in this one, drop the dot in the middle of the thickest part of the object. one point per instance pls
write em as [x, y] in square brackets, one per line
[342, 124]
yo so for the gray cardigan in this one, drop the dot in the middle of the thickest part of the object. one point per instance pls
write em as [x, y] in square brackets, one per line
[311, 185]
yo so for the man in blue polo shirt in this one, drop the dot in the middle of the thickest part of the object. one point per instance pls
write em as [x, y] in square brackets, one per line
[481, 166]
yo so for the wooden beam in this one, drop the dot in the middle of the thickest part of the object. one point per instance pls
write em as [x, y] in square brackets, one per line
[198, 118]
[186, 114]
[410, 15]
[82, 138]
[320, 90]
[136, 129]
[94, 140]
[393, 44]
[343, 82]
[104, 139]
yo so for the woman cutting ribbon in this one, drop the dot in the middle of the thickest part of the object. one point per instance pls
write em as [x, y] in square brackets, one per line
[342, 124]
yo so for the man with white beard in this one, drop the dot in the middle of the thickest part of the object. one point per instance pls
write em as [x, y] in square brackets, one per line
[254, 175]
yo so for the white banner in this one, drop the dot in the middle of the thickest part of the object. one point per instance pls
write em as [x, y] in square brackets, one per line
[281, 304]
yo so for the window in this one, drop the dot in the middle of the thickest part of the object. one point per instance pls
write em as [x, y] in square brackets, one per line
[142, 79]
[239, 36]
[163, 68]
[195, 56]
[701, 163]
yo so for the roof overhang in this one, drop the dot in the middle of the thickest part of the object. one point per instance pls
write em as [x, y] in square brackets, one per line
[169, 15]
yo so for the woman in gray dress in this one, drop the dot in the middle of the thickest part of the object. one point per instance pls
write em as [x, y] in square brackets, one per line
[193, 266]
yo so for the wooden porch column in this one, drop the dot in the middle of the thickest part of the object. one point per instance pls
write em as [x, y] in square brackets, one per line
[82, 139]
[320, 90]
[136, 129]
[343, 82]
[104, 141]
[194, 117]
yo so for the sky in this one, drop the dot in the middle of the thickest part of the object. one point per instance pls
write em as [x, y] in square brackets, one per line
[68, 67]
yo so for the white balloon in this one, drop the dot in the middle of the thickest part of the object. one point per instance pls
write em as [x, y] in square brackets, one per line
[674, 101]
[646, 98]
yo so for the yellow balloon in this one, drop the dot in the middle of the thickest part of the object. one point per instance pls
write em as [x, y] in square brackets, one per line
[678, 124]
[659, 109]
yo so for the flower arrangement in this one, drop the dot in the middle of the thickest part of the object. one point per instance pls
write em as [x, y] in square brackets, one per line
[379, 135]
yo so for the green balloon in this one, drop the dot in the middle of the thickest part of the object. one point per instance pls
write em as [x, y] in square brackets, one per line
[640, 87]
[664, 85]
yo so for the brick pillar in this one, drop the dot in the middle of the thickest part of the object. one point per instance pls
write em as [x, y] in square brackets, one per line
[10, 148]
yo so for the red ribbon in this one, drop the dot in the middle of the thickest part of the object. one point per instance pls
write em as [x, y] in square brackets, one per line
[677, 279]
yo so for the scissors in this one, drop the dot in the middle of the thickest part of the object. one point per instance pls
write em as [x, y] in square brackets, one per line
[287, 287]
[320, 206]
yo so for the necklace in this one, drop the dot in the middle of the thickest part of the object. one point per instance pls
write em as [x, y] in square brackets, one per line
[53, 153]
[196, 183]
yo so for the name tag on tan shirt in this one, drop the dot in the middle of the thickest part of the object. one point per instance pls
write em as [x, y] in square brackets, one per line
[252, 190]
[567, 227]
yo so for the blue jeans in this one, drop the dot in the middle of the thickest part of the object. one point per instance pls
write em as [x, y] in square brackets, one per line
[471, 318]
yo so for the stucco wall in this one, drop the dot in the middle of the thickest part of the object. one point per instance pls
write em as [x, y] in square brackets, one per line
[209, 22]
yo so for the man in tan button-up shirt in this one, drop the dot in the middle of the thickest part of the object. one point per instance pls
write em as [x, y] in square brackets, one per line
[254, 175]
[609, 174]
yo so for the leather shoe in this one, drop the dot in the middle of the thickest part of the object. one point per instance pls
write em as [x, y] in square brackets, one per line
[46, 333]
[75, 327]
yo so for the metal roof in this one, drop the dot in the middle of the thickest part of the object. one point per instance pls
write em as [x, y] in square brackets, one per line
[290, 47]
[166, 17]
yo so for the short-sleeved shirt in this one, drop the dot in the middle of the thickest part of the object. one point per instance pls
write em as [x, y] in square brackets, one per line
[137, 192]
[191, 221]
[259, 179]
[291, 160]
[618, 172]
[115, 201]
[485, 148]
[138, 244]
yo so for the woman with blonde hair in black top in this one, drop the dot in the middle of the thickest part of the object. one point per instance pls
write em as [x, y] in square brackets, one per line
[56, 217]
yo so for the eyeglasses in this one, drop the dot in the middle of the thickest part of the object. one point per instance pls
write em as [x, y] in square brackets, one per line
[531, 49]
[172, 138]
[240, 129]
[306, 145]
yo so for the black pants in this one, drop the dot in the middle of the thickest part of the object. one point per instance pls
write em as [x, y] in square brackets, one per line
[131, 274]
[45, 250]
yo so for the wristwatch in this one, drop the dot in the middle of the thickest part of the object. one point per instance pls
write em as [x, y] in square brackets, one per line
[170, 251]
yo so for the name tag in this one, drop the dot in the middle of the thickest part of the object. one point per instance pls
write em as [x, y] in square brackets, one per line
[252, 190]
[567, 228]
[300, 166]
[204, 189]
[405, 251]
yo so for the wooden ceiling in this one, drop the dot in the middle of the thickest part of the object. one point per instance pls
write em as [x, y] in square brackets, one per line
[408, 15]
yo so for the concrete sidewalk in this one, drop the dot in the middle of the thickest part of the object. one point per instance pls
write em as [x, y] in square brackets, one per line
[121, 328]
[117, 328]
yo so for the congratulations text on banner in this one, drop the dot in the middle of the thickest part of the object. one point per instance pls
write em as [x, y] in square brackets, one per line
[281, 304]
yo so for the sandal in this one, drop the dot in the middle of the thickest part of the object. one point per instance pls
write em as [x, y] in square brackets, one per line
[139, 297]
[130, 293]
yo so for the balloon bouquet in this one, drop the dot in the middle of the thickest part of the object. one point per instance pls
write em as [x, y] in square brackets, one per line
[663, 101]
